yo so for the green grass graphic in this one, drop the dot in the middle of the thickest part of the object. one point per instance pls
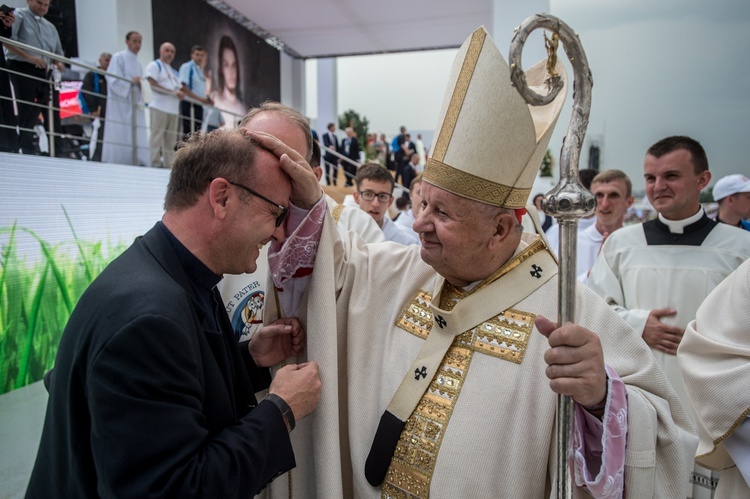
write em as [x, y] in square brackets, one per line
[37, 298]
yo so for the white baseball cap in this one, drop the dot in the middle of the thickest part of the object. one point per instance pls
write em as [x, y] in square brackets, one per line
[731, 184]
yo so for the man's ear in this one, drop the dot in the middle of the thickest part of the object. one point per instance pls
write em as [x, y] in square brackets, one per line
[356, 196]
[218, 196]
[704, 178]
[505, 225]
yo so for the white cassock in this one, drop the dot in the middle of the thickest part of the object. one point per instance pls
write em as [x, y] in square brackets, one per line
[245, 295]
[589, 244]
[118, 130]
[397, 233]
[715, 359]
[636, 276]
[406, 222]
[492, 433]
[553, 233]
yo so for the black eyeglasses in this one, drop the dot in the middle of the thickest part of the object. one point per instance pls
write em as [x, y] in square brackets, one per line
[369, 196]
[284, 211]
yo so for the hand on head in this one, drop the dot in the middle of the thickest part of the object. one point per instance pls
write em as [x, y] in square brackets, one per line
[306, 190]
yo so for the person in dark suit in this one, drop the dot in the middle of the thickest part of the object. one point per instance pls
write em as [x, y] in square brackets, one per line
[331, 161]
[151, 396]
[402, 155]
[351, 150]
[409, 173]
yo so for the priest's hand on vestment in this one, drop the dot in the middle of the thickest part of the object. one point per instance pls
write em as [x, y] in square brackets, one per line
[299, 386]
[575, 362]
[661, 336]
[306, 191]
[277, 341]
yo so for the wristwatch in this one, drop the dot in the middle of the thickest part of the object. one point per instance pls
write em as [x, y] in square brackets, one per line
[286, 411]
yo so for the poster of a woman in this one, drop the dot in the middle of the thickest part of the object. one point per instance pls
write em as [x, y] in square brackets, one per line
[227, 93]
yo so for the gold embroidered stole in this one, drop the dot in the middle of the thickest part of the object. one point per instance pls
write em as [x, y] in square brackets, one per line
[503, 335]
[336, 213]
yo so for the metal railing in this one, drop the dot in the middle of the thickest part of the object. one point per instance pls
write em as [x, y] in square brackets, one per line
[50, 110]
[324, 150]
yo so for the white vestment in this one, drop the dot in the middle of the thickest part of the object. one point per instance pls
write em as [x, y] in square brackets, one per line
[635, 278]
[406, 222]
[398, 234]
[715, 358]
[553, 233]
[245, 295]
[118, 129]
[589, 244]
[362, 315]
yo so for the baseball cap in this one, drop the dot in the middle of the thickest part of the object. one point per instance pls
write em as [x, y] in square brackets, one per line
[731, 184]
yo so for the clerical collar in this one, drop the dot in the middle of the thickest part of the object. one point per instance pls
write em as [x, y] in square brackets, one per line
[678, 226]
[694, 230]
[196, 270]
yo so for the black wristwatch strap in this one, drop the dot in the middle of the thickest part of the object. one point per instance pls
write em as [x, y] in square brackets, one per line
[286, 411]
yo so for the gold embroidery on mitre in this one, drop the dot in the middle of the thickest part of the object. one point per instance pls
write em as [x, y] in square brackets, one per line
[459, 93]
[473, 187]
[336, 213]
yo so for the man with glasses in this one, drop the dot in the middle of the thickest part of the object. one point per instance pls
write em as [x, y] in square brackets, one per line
[374, 195]
[149, 373]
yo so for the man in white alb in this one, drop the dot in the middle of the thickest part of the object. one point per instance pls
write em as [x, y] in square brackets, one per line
[656, 274]
[124, 108]
[613, 192]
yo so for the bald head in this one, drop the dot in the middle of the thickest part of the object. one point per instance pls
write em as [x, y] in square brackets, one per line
[167, 52]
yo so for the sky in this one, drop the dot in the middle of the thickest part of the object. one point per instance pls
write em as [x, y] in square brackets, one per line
[660, 68]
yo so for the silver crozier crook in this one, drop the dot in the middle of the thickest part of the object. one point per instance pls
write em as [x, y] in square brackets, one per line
[569, 200]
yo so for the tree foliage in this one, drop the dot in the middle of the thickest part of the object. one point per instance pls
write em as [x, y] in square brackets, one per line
[351, 118]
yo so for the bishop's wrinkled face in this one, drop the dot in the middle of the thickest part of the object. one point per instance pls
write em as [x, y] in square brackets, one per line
[455, 235]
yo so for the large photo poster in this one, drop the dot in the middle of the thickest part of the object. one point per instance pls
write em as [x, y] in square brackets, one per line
[242, 70]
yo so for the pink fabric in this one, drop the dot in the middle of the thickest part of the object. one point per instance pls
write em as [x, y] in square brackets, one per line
[300, 246]
[598, 458]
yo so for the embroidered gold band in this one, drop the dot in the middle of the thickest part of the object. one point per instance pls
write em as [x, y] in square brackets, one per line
[459, 93]
[413, 464]
[336, 213]
[470, 186]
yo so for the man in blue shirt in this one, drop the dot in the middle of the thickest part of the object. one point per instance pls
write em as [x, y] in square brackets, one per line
[194, 86]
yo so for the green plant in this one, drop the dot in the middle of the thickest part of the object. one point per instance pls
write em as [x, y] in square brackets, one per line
[548, 162]
[351, 118]
[37, 298]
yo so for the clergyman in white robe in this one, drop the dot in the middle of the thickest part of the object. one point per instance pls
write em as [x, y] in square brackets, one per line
[123, 99]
